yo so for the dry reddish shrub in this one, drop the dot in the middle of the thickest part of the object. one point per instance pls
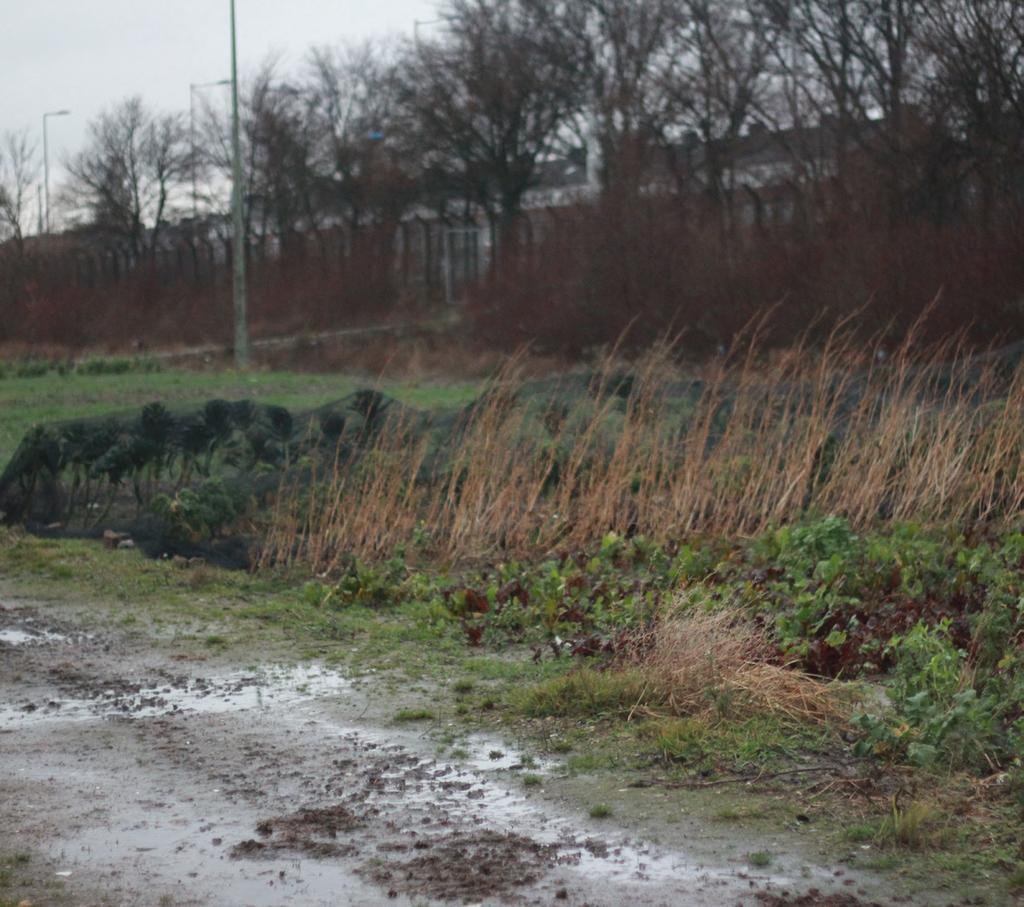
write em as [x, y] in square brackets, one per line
[659, 264]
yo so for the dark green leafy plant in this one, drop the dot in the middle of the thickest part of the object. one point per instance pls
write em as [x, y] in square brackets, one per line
[200, 514]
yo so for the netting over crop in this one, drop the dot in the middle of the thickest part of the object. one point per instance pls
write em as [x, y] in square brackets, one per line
[191, 469]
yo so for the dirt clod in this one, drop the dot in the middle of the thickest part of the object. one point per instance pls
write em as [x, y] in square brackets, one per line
[462, 864]
[312, 832]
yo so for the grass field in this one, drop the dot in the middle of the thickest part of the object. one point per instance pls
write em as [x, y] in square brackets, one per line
[27, 401]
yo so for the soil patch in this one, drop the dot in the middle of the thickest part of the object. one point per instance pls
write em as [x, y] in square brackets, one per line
[813, 898]
[467, 864]
[312, 832]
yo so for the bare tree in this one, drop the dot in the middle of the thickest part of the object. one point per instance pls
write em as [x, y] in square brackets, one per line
[364, 155]
[127, 177]
[280, 174]
[720, 87]
[19, 170]
[624, 52]
[821, 77]
[976, 50]
[857, 66]
[488, 101]
[283, 192]
[214, 156]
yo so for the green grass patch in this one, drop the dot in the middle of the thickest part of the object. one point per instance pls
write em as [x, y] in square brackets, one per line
[739, 813]
[882, 862]
[1015, 882]
[861, 833]
[582, 693]
[916, 826]
[702, 743]
[11, 869]
[585, 763]
[600, 811]
[415, 715]
[512, 669]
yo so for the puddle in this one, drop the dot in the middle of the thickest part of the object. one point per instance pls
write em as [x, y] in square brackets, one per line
[478, 789]
[11, 637]
[486, 754]
[238, 691]
[181, 845]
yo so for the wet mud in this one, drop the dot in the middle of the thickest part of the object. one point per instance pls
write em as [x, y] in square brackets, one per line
[159, 778]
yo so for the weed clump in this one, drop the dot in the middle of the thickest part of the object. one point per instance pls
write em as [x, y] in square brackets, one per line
[722, 663]
[698, 663]
[586, 693]
[414, 715]
[739, 447]
[918, 825]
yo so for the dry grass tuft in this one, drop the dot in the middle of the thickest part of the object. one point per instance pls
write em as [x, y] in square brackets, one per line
[707, 665]
[721, 662]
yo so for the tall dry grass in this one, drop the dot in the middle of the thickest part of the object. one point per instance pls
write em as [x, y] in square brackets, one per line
[833, 430]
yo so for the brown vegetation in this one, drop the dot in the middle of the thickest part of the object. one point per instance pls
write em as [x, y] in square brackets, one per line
[756, 445]
[702, 661]
[657, 265]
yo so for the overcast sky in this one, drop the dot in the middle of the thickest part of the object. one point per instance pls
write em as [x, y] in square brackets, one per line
[86, 54]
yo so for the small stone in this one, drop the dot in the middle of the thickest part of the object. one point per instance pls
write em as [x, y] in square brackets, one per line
[126, 543]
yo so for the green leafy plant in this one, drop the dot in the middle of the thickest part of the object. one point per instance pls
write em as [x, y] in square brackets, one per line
[195, 515]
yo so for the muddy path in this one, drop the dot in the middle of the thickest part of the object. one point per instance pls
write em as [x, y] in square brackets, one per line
[139, 776]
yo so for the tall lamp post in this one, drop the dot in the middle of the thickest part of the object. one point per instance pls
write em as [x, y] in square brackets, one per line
[46, 160]
[238, 244]
[192, 89]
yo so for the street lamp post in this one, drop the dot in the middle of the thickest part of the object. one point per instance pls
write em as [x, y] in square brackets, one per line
[238, 226]
[192, 89]
[46, 160]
